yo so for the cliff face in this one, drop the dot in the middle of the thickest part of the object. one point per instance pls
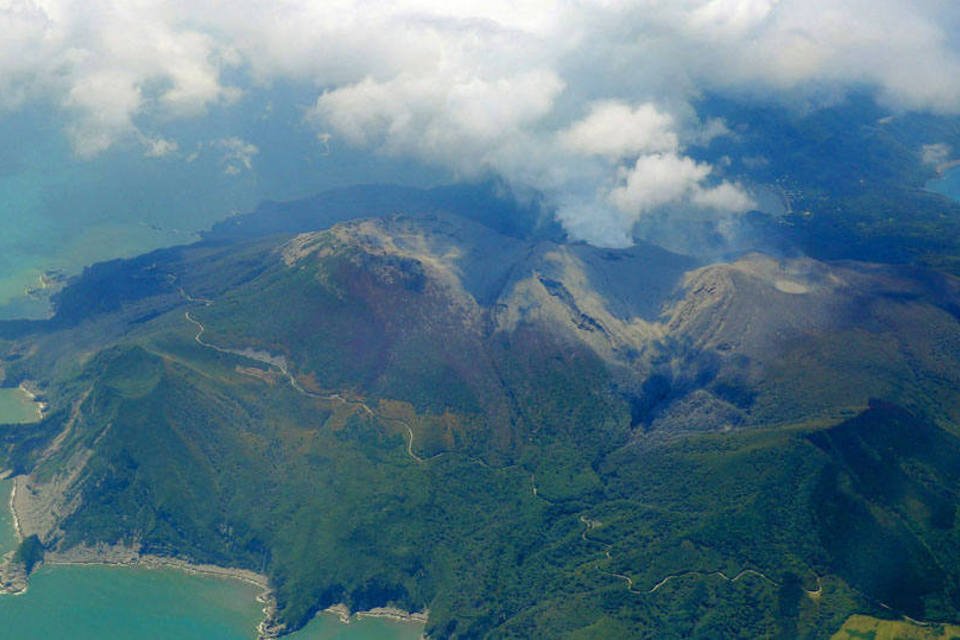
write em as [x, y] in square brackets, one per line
[416, 410]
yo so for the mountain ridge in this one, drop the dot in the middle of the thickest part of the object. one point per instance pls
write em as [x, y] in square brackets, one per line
[480, 414]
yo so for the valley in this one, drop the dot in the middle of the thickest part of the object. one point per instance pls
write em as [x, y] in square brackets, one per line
[480, 321]
[378, 391]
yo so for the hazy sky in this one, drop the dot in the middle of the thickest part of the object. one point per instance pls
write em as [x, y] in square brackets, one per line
[589, 102]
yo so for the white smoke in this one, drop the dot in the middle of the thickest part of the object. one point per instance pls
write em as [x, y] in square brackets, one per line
[588, 101]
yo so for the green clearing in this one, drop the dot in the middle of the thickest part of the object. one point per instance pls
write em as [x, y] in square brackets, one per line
[860, 627]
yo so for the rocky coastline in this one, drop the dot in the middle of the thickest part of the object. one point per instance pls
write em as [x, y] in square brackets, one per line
[129, 556]
[345, 616]
[14, 577]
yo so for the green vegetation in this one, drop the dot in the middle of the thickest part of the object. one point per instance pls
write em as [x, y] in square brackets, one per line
[29, 553]
[363, 431]
[853, 176]
[866, 628]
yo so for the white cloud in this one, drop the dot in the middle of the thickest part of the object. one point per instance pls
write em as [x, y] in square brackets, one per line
[711, 130]
[726, 197]
[615, 130]
[451, 118]
[730, 18]
[106, 62]
[590, 101]
[659, 179]
[656, 180]
[935, 154]
[237, 154]
[159, 147]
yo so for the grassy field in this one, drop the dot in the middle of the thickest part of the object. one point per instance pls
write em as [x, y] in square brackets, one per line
[867, 628]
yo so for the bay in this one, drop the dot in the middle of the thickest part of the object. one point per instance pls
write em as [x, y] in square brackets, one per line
[60, 212]
[327, 627]
[17, 407]
[95, 602]
[88, 602]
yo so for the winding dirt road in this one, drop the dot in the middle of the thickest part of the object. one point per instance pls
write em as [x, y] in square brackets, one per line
[279, 363]
[591, 524]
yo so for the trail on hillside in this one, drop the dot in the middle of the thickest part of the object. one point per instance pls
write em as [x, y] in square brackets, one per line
[591, 524]
[279, 363]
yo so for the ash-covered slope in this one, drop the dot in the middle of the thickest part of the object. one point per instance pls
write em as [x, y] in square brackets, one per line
[790, 340]
[527, 437]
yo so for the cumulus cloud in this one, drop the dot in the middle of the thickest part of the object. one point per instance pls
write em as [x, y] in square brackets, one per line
[105, 62]
[615, 130]
[655, 180]
[591, 102]
[237, 154]
[651, 182]
[159, 147]
[936, 153]
[461, 121]
[725, 197]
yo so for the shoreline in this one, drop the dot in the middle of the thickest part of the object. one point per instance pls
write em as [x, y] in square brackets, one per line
[130, 557]
[267, 629]
[345, 616]
[151, 562]
[11, 504]
[40, 405]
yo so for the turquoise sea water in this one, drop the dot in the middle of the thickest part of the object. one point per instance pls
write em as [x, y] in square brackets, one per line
[128, 603]
[123, 603]
[61, 212]
[137, 604]
[16, 407]
[327, 627]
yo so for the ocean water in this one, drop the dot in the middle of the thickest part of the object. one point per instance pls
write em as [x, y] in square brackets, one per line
[59, 212]
[97, 602]
[124, 603]
[16, 407]
[87, 602]
[130, 603]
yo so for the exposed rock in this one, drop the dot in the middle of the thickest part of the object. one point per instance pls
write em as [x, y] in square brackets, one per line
[13, 575]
